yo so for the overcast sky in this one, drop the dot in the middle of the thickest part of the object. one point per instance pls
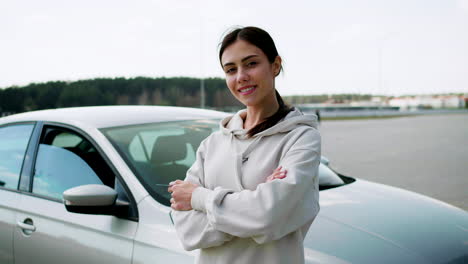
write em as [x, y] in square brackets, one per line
[336, 46]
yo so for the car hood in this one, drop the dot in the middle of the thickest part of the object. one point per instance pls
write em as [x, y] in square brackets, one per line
[365, 222]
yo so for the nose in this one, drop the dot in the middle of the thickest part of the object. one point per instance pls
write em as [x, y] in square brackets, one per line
[242, 75]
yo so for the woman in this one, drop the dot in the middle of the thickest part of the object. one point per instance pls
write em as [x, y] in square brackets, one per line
[252, 193]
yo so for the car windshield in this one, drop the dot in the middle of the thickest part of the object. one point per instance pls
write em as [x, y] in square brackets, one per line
[159, 153]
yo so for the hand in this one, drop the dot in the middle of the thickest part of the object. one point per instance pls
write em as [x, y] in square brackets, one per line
[181, 192]
[277, 174]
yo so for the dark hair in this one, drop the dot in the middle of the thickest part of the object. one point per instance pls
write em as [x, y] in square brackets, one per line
[262, 40]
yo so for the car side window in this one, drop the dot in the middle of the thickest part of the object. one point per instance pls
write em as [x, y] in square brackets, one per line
[66, 160]
[13, 143]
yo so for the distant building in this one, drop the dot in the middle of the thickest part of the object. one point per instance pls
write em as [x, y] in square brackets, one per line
[373, 102]
[428, 101]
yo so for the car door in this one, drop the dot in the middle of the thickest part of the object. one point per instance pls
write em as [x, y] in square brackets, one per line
[14, 140]
[46, 232]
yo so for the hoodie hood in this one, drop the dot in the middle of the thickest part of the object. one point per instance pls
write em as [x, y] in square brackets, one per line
[234, 124]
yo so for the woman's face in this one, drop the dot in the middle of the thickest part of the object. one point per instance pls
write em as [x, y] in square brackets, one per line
[249, 75]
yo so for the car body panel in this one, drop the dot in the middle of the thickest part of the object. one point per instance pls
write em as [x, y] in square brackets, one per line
[352, 245]
[405, 222]
[64, 237]
[9, 202]
[156, 238]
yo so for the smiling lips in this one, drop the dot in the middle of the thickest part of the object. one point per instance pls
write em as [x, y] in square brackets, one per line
[246, 90]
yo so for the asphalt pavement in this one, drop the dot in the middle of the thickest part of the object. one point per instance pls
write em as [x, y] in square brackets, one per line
[424, 154]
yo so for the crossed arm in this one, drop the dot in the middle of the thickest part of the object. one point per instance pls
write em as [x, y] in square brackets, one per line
[284, 203]
[181, 191]
[201, 235]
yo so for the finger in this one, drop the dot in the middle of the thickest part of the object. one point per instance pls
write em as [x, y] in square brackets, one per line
[172, 183]
[275, 170]
[280, 175]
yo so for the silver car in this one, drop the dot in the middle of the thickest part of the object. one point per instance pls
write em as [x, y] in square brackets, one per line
[88, 185]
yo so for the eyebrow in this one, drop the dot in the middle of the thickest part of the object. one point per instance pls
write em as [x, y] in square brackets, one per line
[244, 59]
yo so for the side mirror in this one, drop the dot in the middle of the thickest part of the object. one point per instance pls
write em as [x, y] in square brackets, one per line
[324, 161]
[91, 199]
[328, 178]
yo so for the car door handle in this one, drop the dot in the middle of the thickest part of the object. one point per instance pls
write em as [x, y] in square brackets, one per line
[26, 225]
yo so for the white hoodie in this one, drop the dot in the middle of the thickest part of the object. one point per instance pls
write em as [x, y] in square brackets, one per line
[236, 216]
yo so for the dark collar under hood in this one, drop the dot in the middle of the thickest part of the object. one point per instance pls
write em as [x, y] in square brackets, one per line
[293, 119]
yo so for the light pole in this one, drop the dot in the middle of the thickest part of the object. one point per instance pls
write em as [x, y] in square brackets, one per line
[202, 92]
[202, 78]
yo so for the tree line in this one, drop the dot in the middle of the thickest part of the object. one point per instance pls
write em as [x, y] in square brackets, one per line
[177, 91]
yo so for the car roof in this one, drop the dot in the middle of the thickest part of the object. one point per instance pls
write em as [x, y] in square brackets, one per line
[113, 116]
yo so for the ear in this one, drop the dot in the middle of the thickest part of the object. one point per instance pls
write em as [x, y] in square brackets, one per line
[277, 65]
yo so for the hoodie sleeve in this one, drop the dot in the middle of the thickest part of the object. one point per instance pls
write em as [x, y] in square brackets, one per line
[273, 209]
[192, 227]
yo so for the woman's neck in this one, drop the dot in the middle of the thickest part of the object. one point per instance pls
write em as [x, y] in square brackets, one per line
[257, 114]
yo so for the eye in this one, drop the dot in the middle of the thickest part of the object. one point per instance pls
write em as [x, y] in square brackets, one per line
[252, 63]
[229, 70]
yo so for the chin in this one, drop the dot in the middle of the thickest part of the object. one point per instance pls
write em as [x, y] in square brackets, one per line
[249, 103]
